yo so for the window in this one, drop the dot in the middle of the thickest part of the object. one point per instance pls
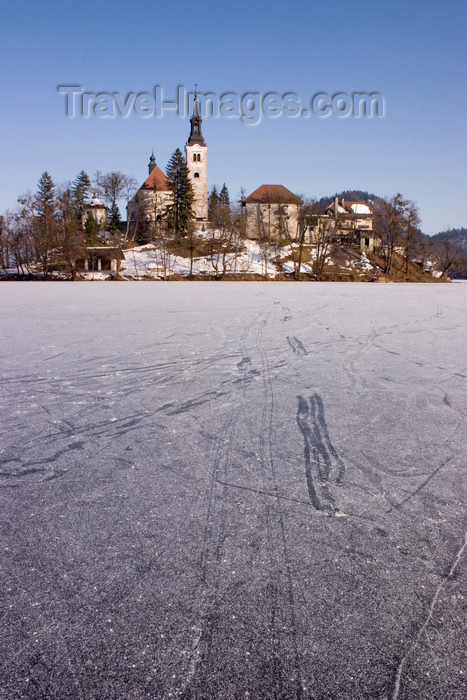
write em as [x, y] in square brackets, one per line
[194, 156]
[196, 175]
[199, 156]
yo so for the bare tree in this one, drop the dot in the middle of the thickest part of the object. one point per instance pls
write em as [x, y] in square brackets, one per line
[225, 241]
[396, 220]
[297, 238]
[449, 253]
[20, 232]
[113, 184]
[97, 184]
[130, 185]
[4, 241]
[163, 258]
[16, 239]
[412, 234]
[323, 233]
[70, 239]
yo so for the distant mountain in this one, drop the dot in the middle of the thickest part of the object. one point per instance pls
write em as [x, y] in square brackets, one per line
[452, 244]
[455, 234]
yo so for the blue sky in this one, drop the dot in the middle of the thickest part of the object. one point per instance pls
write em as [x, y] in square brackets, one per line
[413, 53]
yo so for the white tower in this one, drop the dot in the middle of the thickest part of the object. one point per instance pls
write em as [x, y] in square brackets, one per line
[196, 159]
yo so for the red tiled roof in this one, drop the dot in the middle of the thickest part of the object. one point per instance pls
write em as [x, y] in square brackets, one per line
[155, 181]
[272, 194]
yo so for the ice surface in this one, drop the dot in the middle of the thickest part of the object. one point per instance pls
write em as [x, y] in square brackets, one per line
[232, 490]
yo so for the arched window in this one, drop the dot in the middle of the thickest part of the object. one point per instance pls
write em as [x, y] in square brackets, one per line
[194, 156]
[199, 156]
[196, 175]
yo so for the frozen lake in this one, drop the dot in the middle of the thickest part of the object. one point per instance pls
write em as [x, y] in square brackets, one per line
[232, 490]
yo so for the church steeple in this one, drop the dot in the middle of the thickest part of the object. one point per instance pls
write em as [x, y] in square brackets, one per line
[196, 160]
[196, 137]
[152, 163]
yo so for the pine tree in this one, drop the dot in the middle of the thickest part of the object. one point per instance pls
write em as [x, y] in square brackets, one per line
[224, 199]
[45, 195]
[80, 189]
[45, 223]
[113, 218]
[91, 229]
[179, 212]
[213, 200]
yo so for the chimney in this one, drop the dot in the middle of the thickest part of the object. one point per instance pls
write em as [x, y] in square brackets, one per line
[336, 206]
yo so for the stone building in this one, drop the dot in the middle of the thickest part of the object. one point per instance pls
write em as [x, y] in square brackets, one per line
[100, 258]
[272, 212]
[96, 208]
[346, 223]
[149, 202]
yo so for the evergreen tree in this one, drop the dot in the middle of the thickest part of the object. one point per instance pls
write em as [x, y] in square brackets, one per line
[80, 189]
[113, 218]
[44, 228]
[179, 212]
[91, 229]
[224, 199]
[45, 196]
[213, 201]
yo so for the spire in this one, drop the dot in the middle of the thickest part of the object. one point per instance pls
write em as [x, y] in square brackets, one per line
[196, 103]
[152, 163]
[196, 137]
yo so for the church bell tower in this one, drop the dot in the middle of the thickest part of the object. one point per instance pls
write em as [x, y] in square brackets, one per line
[196, 160]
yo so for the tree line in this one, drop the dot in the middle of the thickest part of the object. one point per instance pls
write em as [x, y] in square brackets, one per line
[48, 227]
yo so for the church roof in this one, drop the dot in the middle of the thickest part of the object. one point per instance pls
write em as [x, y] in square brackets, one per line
[272, 194]
[156, 180]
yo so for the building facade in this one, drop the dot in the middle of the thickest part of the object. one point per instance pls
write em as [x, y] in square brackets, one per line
[345, 223]
[149, 202]
[97, 209]
[272, 212]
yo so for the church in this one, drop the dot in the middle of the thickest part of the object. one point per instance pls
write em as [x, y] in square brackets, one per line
[150, 200]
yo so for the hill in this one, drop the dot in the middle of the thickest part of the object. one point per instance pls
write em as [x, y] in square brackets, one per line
[451, 247]
[350, 196]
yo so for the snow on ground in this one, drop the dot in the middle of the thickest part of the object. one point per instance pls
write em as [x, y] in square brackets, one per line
[150, 261]
[95, 276]
[232, 490]
[365, 263]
